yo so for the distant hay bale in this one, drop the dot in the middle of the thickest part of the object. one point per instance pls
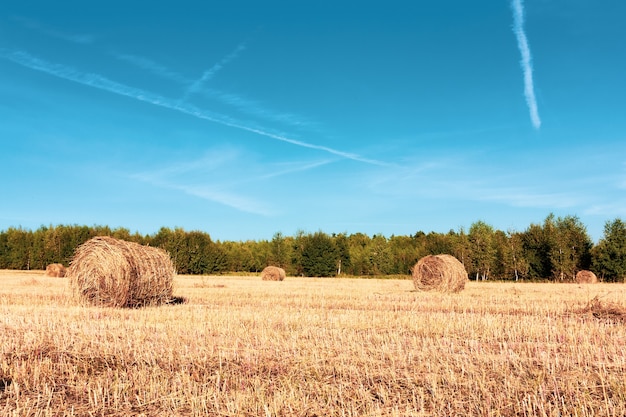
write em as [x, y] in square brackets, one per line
[273, 273]
[586, 277]
[114, 273]
[55, 270]
[442, 273]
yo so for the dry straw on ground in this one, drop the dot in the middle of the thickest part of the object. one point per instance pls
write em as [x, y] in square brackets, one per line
[586, 277]
[439, 273]
[606, 311]
[273, 273]
[55, 270]
[115, 273]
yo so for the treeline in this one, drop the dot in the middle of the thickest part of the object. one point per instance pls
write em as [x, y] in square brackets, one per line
[554, 250]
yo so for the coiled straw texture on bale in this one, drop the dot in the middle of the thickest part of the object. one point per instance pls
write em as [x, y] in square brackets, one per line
[114, 273]
[273, 273]
[586, 277]
[442, 273]
[55, 270]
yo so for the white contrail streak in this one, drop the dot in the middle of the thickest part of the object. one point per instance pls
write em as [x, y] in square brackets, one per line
[102, 83]
[240, 103]
[210, 73]
[526, 62]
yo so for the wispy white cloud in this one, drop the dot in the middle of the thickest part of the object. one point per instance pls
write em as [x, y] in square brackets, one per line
[520, 197]
[215, 175]
[203, 178]
[213, 160]
[197, 85]
[32, 24]
[154, 67]
[526, 61]
[210, 192]
[102, 83]
[612, 209]
[293, 167]
[256, 108]
[226, 198]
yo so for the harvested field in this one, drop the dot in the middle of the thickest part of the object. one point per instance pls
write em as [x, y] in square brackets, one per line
[314, 347]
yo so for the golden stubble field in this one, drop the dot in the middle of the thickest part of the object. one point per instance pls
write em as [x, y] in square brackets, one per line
[315, 347]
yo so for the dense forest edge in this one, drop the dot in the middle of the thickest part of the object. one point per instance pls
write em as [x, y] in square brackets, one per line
[554, 250]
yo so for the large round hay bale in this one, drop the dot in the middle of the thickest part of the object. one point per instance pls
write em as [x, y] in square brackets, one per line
[55, 270]
[442, 273]
[114, 273]
[586, 277]
[273, 273]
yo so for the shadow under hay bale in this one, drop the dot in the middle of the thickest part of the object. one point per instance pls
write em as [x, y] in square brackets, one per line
[114, 273]
[273, 273]
[55, 270]
[442, 273]
[176, 301]
[586, 277]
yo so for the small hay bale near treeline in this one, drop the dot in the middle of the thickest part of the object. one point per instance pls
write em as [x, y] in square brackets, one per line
[442, 273]
[109, 272]
[273, 273]
[586, 277]
[55, 270]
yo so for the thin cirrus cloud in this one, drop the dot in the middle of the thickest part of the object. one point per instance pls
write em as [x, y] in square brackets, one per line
[189, 177]
[153, 67]
[254, 108]
[526, 61]
[213, 193]
[32, 24]
[97, 81]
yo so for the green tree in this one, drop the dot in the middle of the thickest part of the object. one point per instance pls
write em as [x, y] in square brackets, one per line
[570, 248]
[343, 250]
[379, 256]
[438, 243]
[319, 256]
[39, 253]
[536, 249]
[239, 256]
[361, 263]
[609, 255]
[19, 248]
[516, 264]
[174, 242]
[460, 245]
[279, 251]
[196, 246]
[482, 251]
[4, 250]
[297, 253]
[404, 253]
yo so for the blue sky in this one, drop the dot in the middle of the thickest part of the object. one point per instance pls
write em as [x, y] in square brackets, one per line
[247, 118]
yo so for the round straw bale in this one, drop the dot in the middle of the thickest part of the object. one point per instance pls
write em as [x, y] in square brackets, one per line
[114, 273]
[273, 273]
[586, 277]
[439, 273]
[55, 270]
